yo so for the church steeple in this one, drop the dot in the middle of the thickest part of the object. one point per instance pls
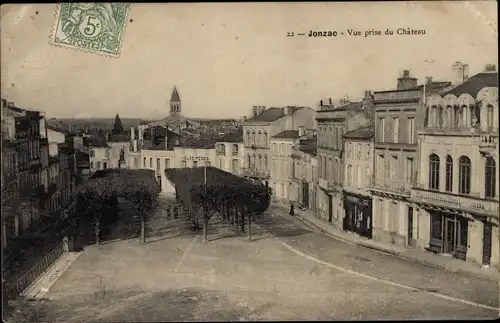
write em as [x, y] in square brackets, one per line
[117, 127]
[175, 101]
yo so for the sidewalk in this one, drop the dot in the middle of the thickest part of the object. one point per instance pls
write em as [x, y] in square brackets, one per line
[414, 255]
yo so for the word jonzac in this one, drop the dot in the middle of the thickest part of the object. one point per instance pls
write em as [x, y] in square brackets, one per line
[367, 33]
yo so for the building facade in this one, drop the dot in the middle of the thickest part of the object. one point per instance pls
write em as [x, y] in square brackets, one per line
[230, 156]
[398, 115]
[264, 124]
[458, 184]
[305, 171]
[282, 165]
[358, 177]
[333, 123]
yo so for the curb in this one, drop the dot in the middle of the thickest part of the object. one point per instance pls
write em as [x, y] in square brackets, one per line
[393, 253]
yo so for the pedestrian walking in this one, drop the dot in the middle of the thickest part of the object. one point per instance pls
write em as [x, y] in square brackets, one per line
[292, 210]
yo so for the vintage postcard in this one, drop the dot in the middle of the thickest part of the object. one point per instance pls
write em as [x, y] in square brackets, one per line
[250, 161]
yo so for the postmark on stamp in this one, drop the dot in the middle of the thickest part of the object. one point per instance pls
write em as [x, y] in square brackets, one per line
[91, 27]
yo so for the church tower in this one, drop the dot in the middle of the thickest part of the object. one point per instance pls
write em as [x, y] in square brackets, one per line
[175, 102]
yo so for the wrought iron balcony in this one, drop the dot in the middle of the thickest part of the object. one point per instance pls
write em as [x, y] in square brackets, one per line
[221, 153]
[452, 201]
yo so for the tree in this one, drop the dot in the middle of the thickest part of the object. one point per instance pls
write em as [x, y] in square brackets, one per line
[117, 127]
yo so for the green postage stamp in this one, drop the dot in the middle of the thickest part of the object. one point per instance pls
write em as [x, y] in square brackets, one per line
[91, 27]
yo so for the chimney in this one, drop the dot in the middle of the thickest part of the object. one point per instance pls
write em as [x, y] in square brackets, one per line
[406, 82]
[255, 111]
[309, 133]
[10, 105]
[262, 109]
[330, 101]
[166, 137]
[368, 95]
[460, 73]
[320, 103]
[132, 133]
[428, 80]
[301, 131]
[141, 133]
[244, 118]
[490, 68]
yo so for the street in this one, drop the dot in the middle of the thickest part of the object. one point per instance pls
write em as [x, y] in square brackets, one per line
[288, 272]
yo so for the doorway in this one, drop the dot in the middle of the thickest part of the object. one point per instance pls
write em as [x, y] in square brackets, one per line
[487, 229]
[410, 227]
[305, 195]
[450, 237]
[330, 209]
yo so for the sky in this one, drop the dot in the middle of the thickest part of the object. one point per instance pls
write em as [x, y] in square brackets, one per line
[225, 58]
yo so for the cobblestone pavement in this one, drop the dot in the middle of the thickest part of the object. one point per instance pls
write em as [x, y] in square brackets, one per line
[177, 277]
[376, 264]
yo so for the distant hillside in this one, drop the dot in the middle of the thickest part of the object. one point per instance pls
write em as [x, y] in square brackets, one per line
[101, 123]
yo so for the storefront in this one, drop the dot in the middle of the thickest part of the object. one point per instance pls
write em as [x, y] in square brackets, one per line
[358, 214]
[449, 233]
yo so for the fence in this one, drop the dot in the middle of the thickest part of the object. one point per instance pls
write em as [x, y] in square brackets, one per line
[34, 273]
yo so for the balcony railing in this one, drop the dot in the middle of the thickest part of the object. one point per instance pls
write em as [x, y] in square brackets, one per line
[235, 153]
[461, 202]
[488, 143]
[221, 153]
[249, 172]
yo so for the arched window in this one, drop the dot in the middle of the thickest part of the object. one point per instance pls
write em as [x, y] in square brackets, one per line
[249, 139]
[265, 139]
[434, 172]
[259, 139]
[490, 178]
[449, 174]
[253, 138]
[248, 161]
[490, 116]
[260, 162]
[464, 174]
[265, 162]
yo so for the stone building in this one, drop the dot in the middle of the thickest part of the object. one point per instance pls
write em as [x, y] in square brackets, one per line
[264, 124]
[358, 177]
[458, 185]
[304, 177]
[282, 165]
[398, 114]
[230, 153]
[333, 123]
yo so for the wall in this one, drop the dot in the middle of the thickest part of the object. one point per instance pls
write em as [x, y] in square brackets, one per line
[54, 138]
[225, 162]
[114, 153]
[358, 155]
[97, 157]
[281, 168]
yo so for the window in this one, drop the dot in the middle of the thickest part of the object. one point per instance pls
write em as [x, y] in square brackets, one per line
[92, 153]
[265, 139]
[248, 161]
[282, 149]
[183, 164]
[249, 139]
[409, 170]
[91, 165]
[235, 166]
[434, 172]
[449, 174]
[106, 152]
[490, 178]
[260, 162]
[349, 175]
[490, 117]
[104, 165]
[381, 122]
[437, 225]
[395, 132]
[394, 168]
[259, 138]
[411, 130]
[359, 177]
[464, 174]
[195, 163]
[381, 166]
[98, 165]
[167, 163]
[150, 162]
[144, 162]
[158, 162]
[235, 149]
[207, 164]
[274, 148]
[265, 162]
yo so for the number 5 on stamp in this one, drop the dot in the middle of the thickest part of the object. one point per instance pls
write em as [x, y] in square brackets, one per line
[91, 27]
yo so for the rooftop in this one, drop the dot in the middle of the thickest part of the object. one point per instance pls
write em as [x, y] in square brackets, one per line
[474, 84]
[347, 106]
[309, 146]
[235, 136]
[271, 114]
[361, 133]
[118, 137]
[287, 134]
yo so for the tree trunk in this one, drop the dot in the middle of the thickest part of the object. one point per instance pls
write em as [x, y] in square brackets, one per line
[97, 231]
[143, 229]
[249, 229]
[242, 219]
[205, 228]
[236, 217]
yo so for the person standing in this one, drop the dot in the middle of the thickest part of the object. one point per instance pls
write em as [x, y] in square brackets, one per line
[292, 210]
